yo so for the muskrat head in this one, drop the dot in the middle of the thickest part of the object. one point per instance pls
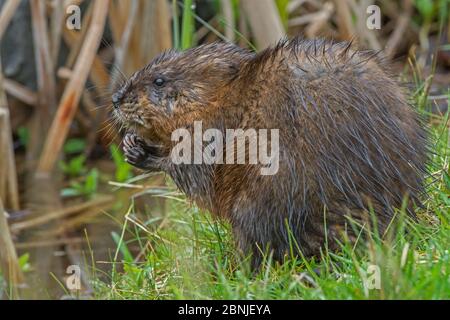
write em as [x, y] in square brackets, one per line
[175, 84]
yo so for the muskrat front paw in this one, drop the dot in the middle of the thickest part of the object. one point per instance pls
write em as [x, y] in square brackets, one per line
[133, 149]
[140, 154]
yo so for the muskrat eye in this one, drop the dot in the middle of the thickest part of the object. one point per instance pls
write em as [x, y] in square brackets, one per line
[159, 82]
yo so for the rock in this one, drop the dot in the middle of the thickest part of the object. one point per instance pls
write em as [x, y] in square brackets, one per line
[16, 49]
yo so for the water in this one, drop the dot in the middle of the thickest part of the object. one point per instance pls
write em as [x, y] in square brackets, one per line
[56, 254]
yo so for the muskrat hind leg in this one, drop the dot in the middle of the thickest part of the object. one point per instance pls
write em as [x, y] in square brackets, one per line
[140, 154]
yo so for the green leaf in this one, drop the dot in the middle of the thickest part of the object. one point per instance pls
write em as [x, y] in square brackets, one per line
[91, 183]
[188, 27]
[74, 146]
[122, 248]
[123, 169]
[445, 198]
[425, 7]
[75, 167]
[447, 180]
[282, 9]
[116, 155]
[24, 262]
[24, 135]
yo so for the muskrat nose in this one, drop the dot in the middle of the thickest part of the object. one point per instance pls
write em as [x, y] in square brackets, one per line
[116, 98]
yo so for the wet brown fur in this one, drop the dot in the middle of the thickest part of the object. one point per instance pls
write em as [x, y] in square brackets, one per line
[349, 140]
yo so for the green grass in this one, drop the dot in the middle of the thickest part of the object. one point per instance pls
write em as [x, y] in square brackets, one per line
[188, 26]
[189, 255]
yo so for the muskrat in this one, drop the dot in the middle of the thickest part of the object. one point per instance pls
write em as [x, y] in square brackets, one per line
[350, 144]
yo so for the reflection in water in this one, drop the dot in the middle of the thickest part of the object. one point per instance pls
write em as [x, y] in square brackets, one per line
[82, 239]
